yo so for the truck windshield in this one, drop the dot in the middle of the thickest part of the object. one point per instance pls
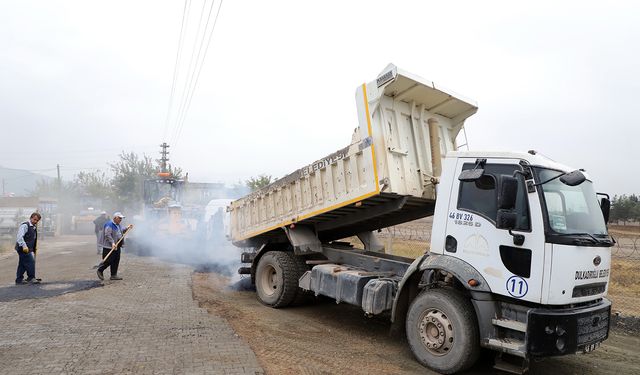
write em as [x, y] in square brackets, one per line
[161, 192]
[573, 212]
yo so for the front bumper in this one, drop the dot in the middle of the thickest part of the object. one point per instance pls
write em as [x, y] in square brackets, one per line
[567, 331]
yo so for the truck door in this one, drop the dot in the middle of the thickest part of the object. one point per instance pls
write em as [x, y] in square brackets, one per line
[510, 269]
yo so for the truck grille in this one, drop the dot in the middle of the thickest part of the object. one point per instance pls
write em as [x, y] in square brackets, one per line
[588, 290]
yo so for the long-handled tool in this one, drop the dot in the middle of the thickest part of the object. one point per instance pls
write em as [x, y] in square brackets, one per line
[113, 248]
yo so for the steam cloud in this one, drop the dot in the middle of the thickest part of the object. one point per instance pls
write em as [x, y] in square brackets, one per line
[198, 242]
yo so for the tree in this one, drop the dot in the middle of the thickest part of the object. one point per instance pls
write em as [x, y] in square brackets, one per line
[122, 191]
[625, 208]
[96, 184]
[255, 183]
[635, 212]
[67, 194]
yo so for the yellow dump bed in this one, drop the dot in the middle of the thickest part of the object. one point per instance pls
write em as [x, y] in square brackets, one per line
[386, 176]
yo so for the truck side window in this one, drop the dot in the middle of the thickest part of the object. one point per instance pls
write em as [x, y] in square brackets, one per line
[480, 196]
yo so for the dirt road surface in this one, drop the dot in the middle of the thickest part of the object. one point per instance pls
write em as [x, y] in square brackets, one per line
[325, 338]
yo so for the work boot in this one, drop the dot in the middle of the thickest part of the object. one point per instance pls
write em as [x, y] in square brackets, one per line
[33, 281]
[115, 277]
[100, 275]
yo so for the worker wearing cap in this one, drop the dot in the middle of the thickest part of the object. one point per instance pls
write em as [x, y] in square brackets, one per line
[111, 234]
[99, 223]
[26, 246]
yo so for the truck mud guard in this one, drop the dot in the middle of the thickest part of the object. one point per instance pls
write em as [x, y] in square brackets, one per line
[462, 271]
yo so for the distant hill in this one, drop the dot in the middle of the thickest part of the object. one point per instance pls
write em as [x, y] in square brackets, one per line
[18, 181]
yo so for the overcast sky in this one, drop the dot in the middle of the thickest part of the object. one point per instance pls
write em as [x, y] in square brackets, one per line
[81, 81]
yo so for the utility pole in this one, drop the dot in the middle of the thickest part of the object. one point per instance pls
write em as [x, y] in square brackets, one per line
[59, 181]
[164, 159]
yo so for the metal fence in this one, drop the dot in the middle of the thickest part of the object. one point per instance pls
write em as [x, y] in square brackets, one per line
[412, 239]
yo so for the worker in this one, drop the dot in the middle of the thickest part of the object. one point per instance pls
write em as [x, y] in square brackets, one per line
[99, 223]
[111, 240]
[26, 246]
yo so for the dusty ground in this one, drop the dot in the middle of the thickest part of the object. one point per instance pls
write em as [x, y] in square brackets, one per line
[325, 338]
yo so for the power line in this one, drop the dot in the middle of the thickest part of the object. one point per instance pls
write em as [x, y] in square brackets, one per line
[215, 21]
[176, 68]
[51, 154]
[79, 168]
[190, 72]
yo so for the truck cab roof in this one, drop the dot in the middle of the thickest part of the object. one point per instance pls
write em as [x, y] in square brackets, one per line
[533, 158]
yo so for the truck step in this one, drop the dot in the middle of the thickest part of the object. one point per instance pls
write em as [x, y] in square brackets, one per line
[510, 364]
[510, 324]
[509, 346]
[510, 368]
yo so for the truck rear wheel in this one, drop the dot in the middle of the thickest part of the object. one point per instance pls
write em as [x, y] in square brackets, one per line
[442, 331]
[302, 296]
[277, 279]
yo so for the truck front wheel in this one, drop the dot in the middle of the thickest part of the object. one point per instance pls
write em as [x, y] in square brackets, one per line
[277, 279]
[442, 331]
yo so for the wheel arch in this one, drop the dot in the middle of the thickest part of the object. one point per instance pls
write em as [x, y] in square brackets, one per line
[422, 269]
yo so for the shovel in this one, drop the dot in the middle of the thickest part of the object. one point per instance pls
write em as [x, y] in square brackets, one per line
[113, 248]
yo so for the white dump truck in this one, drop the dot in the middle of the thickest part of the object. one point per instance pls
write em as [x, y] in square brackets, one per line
[520, 254]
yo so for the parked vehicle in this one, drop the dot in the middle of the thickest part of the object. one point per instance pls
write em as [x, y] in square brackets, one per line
[519, 258]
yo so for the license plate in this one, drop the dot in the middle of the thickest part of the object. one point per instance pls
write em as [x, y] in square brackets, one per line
[591, 347]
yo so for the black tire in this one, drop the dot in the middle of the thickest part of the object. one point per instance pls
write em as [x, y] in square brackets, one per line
[277, 279]
[302, 296]
[442, 331]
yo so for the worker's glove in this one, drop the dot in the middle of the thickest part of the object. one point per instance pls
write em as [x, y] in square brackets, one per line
[25, 250]
[129, 226]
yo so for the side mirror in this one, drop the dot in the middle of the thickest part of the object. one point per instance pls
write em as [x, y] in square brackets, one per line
[605, 206]
[574, 178]
[506, 219]
[507, 193]
[471, 175]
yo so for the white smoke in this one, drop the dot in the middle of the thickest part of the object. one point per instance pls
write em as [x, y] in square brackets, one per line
[199, 242]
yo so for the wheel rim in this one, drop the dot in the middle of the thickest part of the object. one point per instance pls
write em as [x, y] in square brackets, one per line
[269, 280]
[436, 332]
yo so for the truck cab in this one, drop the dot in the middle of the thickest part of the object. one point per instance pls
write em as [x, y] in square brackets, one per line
[535, 232]
[547, 243]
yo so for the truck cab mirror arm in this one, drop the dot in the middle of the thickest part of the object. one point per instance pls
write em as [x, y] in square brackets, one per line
[506, 219]
[605, 206]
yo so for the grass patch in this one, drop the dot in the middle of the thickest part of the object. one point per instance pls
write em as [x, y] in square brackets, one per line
[624, 286]
[394, 246]
[409, 249]
[624, 229]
